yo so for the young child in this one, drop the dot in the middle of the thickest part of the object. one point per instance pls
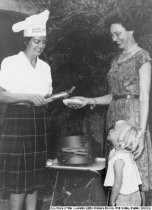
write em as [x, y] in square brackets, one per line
[122, 173]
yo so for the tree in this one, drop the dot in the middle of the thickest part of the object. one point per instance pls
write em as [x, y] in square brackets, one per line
[80, 49]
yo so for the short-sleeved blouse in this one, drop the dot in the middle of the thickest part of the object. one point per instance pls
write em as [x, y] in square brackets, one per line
[131, 178]
[17, 75]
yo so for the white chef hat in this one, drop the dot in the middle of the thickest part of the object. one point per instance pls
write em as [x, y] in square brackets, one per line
[34, 25]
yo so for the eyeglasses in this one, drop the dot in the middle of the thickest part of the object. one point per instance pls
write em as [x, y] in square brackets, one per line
[38, 41]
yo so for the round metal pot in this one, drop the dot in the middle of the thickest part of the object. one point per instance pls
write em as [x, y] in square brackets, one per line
[75, 150]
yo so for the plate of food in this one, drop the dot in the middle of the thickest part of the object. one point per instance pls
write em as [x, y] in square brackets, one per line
[73, 102]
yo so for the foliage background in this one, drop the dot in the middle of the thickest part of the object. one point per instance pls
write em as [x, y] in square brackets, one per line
[80, 50]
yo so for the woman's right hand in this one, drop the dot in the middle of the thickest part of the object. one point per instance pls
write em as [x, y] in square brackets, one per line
[35, 99]
[84, 102]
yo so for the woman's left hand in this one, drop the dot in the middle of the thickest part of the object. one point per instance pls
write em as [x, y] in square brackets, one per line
[139, 151]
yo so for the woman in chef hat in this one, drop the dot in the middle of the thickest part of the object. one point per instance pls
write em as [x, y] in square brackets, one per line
[24, 81]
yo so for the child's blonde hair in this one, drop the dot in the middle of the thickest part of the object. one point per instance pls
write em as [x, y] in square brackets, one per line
[128, 138]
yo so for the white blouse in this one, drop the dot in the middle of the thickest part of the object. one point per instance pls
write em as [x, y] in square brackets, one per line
[131, 178]
[17, 75]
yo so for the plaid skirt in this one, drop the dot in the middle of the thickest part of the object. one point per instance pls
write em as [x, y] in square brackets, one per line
[23, 149]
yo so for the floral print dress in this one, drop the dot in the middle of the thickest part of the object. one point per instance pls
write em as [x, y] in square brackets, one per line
[123, 79]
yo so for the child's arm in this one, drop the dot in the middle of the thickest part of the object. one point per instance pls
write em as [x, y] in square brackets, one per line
[118, 176]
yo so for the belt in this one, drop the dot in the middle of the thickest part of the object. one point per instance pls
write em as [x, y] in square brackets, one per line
[116, 97]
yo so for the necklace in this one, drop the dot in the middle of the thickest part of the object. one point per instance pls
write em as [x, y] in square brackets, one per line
[125, 51]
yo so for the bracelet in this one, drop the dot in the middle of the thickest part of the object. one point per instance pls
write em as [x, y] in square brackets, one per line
[92, 106]
[95, 101]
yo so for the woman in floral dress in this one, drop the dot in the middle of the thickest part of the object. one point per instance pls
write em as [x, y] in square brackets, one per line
[129, 86]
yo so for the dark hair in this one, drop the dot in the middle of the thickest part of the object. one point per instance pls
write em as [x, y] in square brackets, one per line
[123, 19]
[26, 40]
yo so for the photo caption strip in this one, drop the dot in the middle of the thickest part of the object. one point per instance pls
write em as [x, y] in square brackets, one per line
[100, 208]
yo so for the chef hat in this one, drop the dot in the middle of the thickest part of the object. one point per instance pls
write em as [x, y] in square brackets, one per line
[34, 25]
